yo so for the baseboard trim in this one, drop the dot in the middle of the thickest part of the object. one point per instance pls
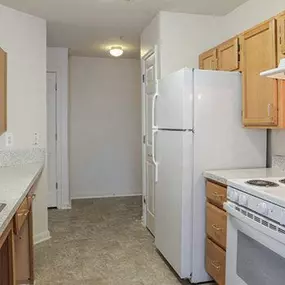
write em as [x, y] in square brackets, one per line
[65, 207]
[41, 237]
[105, 196]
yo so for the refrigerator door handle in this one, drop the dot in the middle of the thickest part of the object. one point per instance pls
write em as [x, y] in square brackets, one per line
[154, 132]
[153, 110]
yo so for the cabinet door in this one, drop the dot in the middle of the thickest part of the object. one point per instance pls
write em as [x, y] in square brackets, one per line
[3, 92]
[260, 94]
[228, 55]
[7, 261]
[208, 60]
[281, 37]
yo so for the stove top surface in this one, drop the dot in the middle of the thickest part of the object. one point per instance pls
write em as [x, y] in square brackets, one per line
[268, 189]
[262, 183]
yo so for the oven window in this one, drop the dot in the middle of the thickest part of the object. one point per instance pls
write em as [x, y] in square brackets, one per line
[258, 265]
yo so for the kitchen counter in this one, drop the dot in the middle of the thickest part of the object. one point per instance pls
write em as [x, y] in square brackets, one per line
[15, 183]
[222, 176]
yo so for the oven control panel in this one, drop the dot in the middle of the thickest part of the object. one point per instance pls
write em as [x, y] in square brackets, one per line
[264, 208]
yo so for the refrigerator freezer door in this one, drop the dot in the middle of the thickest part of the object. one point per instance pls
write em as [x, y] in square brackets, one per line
[173, 219]
[174, 104]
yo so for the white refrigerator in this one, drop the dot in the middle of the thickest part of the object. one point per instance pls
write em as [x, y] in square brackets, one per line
[198, 126]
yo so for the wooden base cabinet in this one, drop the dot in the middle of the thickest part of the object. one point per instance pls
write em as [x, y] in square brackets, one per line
[17, 248]
[216, 227]
[216, 262]
[24, 253]
[7, 259]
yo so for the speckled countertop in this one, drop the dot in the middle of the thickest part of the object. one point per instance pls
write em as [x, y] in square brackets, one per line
[222, 176]
[15, 183]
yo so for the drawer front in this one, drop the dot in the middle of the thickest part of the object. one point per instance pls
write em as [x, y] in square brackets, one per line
[216, 194]
[21, 215]
[216, 262]
[217, 225]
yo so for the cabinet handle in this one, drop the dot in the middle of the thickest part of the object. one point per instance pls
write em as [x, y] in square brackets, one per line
[269, 110]
[218, 196]
[216, 266]
[216, 227]
[23, 214]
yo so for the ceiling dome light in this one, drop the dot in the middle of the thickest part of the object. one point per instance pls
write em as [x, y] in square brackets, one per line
[116, 51]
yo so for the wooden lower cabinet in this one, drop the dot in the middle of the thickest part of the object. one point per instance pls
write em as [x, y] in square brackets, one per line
[7, 260]
[16, 247]
[216, 262]
[216, 227]
[24, 252]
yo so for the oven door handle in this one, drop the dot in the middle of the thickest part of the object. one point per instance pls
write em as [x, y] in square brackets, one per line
[254, 225]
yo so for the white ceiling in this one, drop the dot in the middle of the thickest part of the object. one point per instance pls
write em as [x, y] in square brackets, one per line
[90, 27]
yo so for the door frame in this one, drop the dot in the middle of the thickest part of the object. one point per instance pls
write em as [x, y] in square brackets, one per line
[152, 51]
[63, 195]
[56, 142]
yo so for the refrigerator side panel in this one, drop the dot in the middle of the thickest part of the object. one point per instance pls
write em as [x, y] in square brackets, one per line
[174, 103]
[220, 142]
[172, 199]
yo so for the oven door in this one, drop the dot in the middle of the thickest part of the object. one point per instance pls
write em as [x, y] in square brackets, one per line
[255, 249]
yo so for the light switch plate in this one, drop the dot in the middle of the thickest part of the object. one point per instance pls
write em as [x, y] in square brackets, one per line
[9, 139]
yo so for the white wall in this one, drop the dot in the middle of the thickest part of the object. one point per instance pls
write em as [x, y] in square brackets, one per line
[244, 17]
[57, 61]
[23, 37]
[183, 37]
[250, 14]
[150, 36]
[180, 39]
[105, 127]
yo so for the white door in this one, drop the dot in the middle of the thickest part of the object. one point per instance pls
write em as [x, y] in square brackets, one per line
[150, 178]
[51, 138]
[150, 96]
[174, 104]
[173, 199]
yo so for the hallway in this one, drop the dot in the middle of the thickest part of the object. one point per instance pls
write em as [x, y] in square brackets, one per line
[100, 242]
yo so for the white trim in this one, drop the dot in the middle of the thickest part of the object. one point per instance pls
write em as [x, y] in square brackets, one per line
[154, 51]
[58, 159]
[106, 196]
[57, 61]
[41, 237]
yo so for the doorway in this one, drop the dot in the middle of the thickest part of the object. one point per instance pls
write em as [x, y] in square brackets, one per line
[149, 164]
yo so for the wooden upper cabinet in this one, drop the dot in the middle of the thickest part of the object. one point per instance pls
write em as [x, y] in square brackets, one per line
[208, 60]
[3, 91]
[228, 55]
[260, 94]
[281, 37]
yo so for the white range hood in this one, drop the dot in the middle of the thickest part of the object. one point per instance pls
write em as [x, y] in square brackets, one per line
[277, 73]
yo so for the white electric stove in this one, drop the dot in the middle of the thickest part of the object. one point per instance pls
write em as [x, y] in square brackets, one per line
[256, 231]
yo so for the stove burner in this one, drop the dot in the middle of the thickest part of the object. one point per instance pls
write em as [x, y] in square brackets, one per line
[262, 183]
[282, 181]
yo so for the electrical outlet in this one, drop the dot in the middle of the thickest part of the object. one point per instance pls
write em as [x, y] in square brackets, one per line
[36, 139]
[9, 139]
